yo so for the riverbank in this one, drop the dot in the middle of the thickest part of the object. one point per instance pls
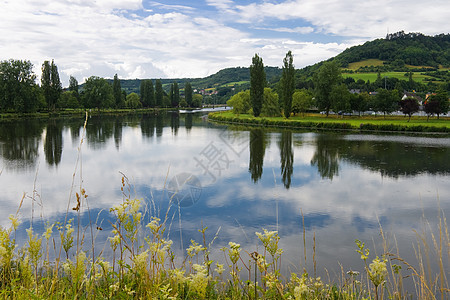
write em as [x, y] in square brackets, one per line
[79, 113]
[335, 122]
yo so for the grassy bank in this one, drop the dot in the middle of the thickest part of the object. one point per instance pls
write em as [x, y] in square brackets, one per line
[78, 113]
[334, 122]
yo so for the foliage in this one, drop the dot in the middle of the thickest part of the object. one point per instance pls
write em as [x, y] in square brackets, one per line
[69, 99]
[287, 84]
[240, 102]
[197, 100]
[188, 94]
[386, 101]
[18, 90]
[409, 106]
[437, 103]
[270, 107]
[133, 101]
[257, 84]
[97, 93]
[117, 90]
[325, 80]
[340, 98]
[159, 93]
[302, 100]
[147, 93]
[51, 84]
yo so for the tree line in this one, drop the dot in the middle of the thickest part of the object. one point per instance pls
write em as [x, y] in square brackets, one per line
[328, 93]
[19, 92]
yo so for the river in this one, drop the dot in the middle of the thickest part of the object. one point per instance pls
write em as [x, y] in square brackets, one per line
[327, 187]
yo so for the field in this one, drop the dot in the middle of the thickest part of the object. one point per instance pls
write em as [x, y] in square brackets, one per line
[399, 75]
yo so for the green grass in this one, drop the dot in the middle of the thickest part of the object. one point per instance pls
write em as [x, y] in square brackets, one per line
[374, 123]
[399, 75]
[365, 63]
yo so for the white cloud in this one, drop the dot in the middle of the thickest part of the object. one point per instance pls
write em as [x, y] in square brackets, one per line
[369, 19]
[150, 39]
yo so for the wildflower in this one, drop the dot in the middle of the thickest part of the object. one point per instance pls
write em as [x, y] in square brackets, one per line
[378, 271]
[194, 248]
[234, 251]
[14, 221]
[199, 280]
[154, 225]
[48, 232]
[219, 269]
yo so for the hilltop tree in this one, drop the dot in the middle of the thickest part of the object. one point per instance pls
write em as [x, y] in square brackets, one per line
[159, 93]
[51, 84]
[18, 90]
[257, 84]
[188, 93]
[287, 83]
[325, 80]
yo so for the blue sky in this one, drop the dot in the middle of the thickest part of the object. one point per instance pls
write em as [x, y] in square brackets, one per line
[174, 38]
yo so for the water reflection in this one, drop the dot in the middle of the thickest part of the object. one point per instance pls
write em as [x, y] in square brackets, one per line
[148, 126]
[53, 143]
[19, 143]
[326, 157]
[257, 146]
[364, 174]
[286, 157]
[188, 122]
[174, 122]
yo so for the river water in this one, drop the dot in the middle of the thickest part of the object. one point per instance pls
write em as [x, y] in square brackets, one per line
[319, 189]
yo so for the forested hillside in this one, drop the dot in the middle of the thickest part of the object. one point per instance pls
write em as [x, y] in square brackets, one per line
[400, 49]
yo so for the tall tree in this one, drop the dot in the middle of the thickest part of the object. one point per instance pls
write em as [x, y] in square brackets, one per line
[288, 83]
[257, 84]
[174, 95]
[159, 93]
[117, 91]
[325, 79]
[51, 84]
[147, 93]
[73, 85]
[18, 90]
[188, 93]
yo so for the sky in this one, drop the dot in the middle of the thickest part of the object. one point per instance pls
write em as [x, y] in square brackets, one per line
[190, 39]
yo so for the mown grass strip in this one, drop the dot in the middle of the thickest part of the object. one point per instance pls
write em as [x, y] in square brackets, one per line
[316, 121]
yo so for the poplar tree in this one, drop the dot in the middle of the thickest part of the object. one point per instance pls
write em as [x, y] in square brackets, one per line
[288, 83]
[257, 84]
[147, 93]
[188, 94]
[73, 86]
[117, 91]
[159, 94]
[51, 84]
